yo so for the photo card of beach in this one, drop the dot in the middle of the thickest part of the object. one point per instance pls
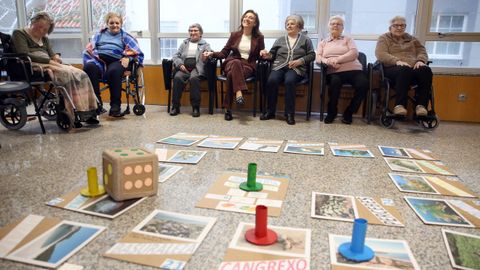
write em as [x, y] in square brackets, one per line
[350, 150]
[401, 152]
[261, 145]
[389, 254]
[437, 212]
[304, 148]
[220, 142]
[182, 139]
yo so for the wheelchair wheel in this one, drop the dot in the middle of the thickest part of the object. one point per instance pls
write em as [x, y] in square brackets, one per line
[63, 121]
[13, 114]
[386, 122]
[138, 109]
[430, 123]
[48, 110]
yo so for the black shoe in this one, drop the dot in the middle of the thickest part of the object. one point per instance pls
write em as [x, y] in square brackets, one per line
[100, 110]
[196, 112]
[114, 113]
[267, 116]
[92, 121]
[347, 118]
[329, 119]
[240, 100]
[290, 119]
[174, 111]
[228, 116]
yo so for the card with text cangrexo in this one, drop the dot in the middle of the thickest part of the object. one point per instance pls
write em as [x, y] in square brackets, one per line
[43, 241]
[418, 166]
[225, 194]
[166, 240]
[221, 142]
[102, 206]
[290, 251]
[261, 145]
[350, 150]
[378, 211]
[183, 139]
[431, 184]
[400, 152]
[461, 213]
[304, 148]
[179, 156]
[389, 254]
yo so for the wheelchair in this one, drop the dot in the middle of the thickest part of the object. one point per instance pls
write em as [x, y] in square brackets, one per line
[387, 118]
[49, 103]
[133, 86]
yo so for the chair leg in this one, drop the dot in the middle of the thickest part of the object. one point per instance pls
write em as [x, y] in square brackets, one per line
[211, 98]
[221, 94]
[322, 99]
[255, 99]
[169, 100]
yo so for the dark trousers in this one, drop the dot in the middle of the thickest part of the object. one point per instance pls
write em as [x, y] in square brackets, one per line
[236, 70]
[179, 81]
[290, 78]
[113, 76]
[404, 77]
[357, 79]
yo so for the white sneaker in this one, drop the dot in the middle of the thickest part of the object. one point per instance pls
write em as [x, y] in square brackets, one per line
[421, 111]
[400, 110]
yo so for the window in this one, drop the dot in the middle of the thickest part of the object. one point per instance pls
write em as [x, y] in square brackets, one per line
[168, 47]
[8, 21]
[66, 13]
[134, 12]
[272, 13]
[451, 16]
[445, 24]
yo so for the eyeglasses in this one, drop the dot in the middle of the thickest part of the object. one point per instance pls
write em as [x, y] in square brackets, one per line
[402, 26]
[336, 24]
[193, 30]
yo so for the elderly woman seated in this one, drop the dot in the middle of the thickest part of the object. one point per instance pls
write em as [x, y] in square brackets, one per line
[189, 65]
[290, 54]
[340, 54]
[107, 56]
[33, 41]
[405, 63]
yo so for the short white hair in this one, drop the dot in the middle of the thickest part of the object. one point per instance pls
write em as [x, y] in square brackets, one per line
[336, 18]
[398, 18]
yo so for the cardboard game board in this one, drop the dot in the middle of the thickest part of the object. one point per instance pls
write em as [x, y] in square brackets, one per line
[183, 139]
[379, 211]
[291, 251]
[226, 195]
[350, 150]
[389, 254]
[431, 184]
[304, 148]
[462, 213]
[399, 152]
[102, 206]
[461, 249]
[261, 145]
[165, 171]
[163, 239]
[45, 241]
[221, 142]
[418, 166]
[179, 156]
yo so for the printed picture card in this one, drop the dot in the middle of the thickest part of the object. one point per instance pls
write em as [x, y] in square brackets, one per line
[102, 206]
[166, 240]
[183, 139]
[462, 249]
[225, 195]
[350, 150]
[221, 142]
[179, 156]
[378, 211]
[43, 241]
[304, 148]
[165, 171]
[389, 254]
[418, 166]
[462, 213]
[261, 145]
[399, 152]
[291, 251]
[431, 184]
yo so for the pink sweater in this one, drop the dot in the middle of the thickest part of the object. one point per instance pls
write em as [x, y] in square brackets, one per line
[342, 48]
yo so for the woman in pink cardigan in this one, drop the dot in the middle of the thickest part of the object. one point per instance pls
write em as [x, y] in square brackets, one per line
[340, 54]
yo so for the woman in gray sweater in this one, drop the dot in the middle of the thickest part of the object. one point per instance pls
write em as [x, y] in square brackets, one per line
[290, 54]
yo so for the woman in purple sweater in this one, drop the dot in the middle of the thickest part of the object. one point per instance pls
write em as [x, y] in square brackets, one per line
[340, 54]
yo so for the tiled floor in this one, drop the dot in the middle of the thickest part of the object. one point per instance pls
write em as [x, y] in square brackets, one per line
[35, 168]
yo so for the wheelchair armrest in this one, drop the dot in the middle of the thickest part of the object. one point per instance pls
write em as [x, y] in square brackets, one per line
[379, 66]
[167, 66]
[19, 58]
